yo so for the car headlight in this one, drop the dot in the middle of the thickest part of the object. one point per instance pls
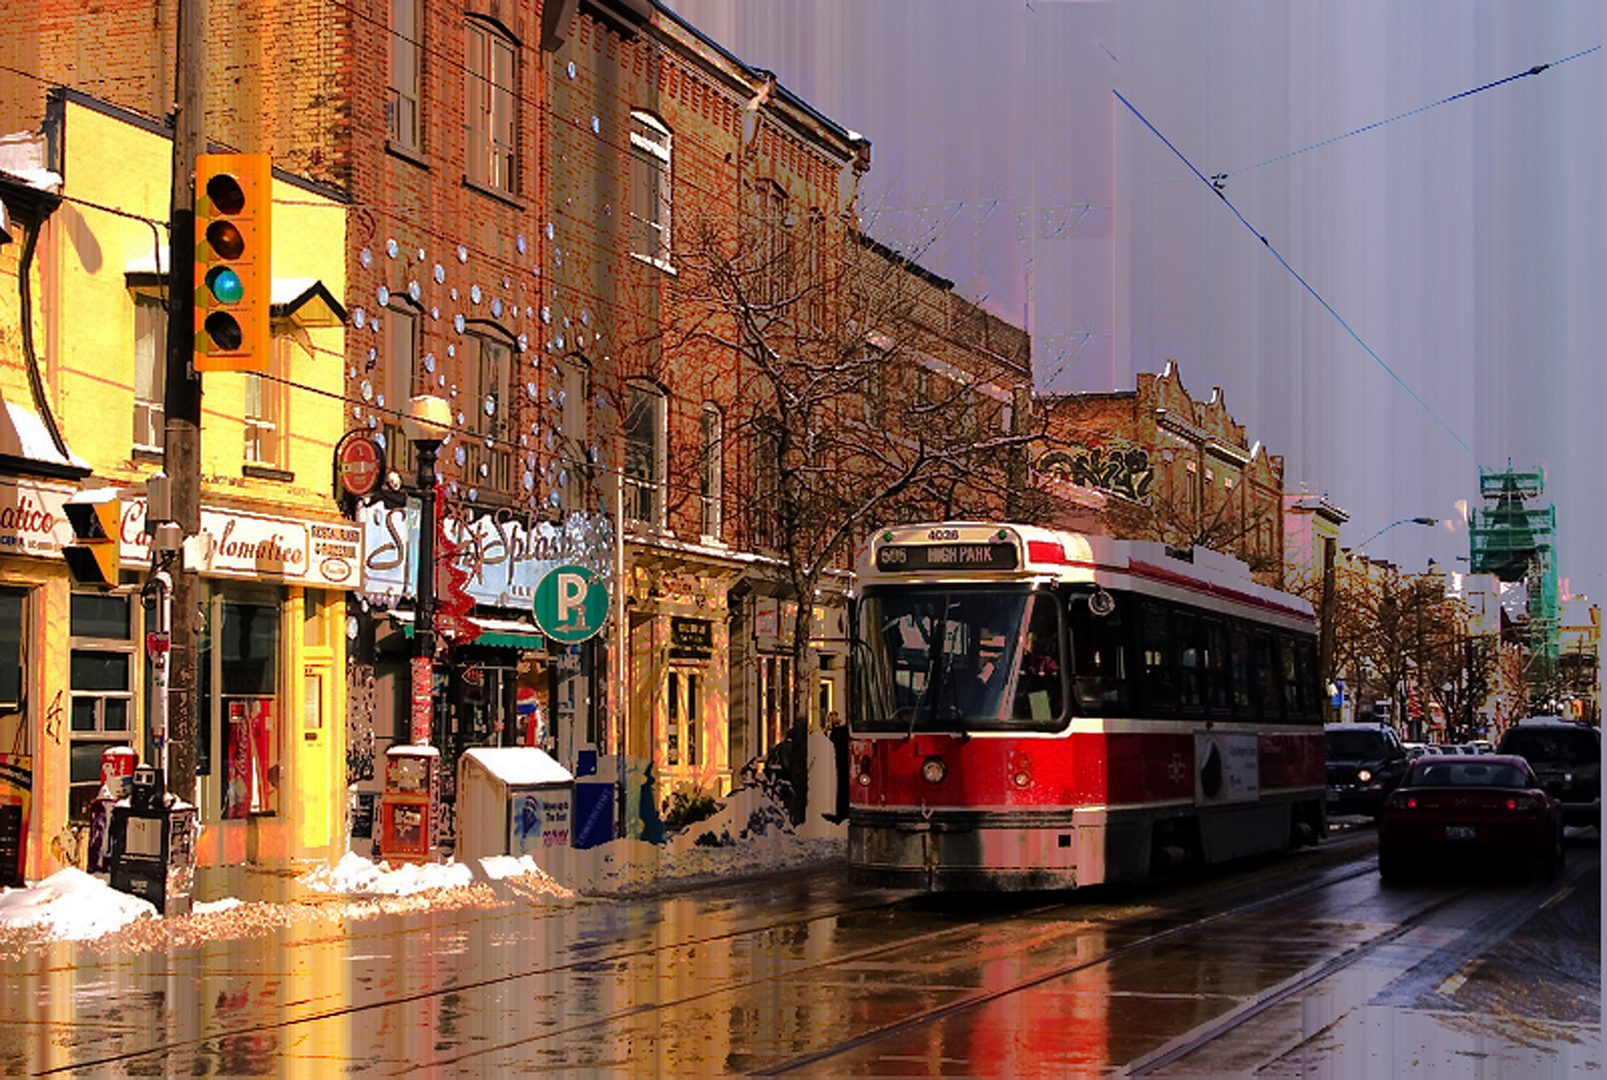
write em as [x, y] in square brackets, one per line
[1364, 775]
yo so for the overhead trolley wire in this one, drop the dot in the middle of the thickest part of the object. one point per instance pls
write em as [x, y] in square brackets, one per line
[1293, 272]
[1537, 69]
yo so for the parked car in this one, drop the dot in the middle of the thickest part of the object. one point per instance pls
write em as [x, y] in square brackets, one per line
[1415, 750]
[1482, 746]
[1365, 762]
[1566, 755]
[1467, 809]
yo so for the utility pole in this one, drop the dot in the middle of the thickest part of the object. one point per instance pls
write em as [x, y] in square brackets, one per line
[182, 404]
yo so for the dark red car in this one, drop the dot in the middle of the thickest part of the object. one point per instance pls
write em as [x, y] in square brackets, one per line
[1463, 809]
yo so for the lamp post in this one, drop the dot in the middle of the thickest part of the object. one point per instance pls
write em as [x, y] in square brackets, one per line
[427, 422]
[1403, 521]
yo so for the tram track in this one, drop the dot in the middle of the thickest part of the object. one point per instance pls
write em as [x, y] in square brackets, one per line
[948, 936]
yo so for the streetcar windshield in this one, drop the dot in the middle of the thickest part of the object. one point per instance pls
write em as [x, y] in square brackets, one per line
[950, 659]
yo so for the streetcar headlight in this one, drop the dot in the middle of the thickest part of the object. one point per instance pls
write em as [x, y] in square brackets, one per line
[1022, 778]
[933, 770]
[864, 772]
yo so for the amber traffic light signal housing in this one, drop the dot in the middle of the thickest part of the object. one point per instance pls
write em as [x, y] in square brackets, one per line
[233, 261]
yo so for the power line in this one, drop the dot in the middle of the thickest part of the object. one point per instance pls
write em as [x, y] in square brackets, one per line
[1275, 254]
[1537, 69]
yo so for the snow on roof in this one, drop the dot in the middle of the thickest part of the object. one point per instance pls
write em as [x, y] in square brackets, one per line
[33, 438]
[521, 765]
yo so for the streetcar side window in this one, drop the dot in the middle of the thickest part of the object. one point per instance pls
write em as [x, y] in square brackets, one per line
[1294, 705]
[1216, 665]
[1242, 665]
[1190, 659]
[1310, 678]
[1156, 645]
[1098, 657]
[1264, 670]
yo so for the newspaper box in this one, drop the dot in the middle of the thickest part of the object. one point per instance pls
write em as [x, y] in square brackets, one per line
[407, 809]
[513, 800]
[152, 844]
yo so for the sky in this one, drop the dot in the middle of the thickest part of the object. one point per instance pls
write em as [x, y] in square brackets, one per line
[1454, 251]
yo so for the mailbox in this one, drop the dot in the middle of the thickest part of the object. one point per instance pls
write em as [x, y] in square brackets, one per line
[152, 844]
[407, 808]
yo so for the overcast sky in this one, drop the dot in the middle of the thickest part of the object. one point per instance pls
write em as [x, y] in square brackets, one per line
[1464, 244]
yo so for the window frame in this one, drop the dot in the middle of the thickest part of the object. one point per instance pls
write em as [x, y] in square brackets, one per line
[488, 468]
[648, 484]
[269, 393]
[150, 369]
[80, 793]
[405, 65]
[490, 104]
[711, 471]
[399, 387]
[651, 179]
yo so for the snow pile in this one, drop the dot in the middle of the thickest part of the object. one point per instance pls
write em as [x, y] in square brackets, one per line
[71, 905]
[355, 875]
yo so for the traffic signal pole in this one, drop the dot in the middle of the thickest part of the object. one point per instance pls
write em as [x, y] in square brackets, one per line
[181, 450]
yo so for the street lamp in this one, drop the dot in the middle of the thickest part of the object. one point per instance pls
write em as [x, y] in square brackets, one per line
[427, 423]
[1403, 521]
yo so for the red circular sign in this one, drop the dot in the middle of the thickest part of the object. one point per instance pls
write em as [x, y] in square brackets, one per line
[360, 464]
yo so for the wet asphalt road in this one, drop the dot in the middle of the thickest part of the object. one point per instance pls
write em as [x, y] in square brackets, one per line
[1299, 966]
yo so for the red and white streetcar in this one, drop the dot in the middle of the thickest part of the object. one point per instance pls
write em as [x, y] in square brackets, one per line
[1044, 709]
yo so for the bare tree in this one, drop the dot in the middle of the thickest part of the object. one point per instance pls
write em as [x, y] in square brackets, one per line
[845, 407]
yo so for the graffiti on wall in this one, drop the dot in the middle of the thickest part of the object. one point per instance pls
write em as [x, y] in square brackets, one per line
[1119, 467]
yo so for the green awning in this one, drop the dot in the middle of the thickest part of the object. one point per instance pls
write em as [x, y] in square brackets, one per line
[507, 633]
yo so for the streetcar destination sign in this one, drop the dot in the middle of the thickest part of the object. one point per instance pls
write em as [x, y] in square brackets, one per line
[916, 557]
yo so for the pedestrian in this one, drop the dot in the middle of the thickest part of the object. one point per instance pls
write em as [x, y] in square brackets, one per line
[837, 731]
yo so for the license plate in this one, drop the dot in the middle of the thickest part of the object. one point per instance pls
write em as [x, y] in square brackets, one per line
[1459, 832]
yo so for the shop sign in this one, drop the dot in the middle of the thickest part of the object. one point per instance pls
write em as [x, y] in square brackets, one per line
[32, 521]
[358, 463]
[504, 559]
[691, 639]
[240, 544]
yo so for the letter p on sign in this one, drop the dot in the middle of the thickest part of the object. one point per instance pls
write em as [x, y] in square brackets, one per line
[571, 604]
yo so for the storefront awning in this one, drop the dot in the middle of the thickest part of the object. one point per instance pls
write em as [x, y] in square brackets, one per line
[508, 633]
[27, 448]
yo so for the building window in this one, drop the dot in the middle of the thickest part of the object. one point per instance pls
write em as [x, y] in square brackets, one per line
[573, 456]
[766, 506]
[775, 700]
[400, 345]
[650, 189]
[101, 674]
[239, 668]
[14, 637]
[771, 244]
[490, 63]
[406, 73]
[266, 396]
[150, 372]
[645, 465]
[487, 435]
[815, 270]
[711, 472]
[1191, 486]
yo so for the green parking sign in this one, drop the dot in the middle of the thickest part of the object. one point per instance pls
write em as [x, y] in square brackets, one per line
[571, 604]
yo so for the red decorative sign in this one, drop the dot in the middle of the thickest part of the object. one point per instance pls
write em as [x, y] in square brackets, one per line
[359, 463]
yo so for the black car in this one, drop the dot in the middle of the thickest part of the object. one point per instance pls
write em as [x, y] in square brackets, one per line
[1365, 763]
[1566, 755]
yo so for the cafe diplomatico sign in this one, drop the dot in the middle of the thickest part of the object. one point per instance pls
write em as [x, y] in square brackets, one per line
[318, 553]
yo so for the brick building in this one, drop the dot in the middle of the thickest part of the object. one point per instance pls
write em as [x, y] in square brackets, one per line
[529, 187]
[1153, 463]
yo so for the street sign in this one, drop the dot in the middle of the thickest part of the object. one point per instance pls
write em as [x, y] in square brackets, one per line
[571, 604]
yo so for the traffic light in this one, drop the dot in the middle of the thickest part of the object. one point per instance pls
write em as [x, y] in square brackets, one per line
[95, 517]
[233, 261]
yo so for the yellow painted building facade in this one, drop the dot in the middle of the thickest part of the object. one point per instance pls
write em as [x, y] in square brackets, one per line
[276, 556]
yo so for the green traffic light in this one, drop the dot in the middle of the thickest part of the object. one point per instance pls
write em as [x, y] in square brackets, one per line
[225, 285]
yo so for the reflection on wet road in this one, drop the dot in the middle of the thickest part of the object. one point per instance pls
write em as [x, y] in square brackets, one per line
[1325, 972]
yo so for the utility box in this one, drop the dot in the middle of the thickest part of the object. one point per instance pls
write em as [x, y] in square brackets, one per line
[152, 844]
[407, 808]
[513, 800]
